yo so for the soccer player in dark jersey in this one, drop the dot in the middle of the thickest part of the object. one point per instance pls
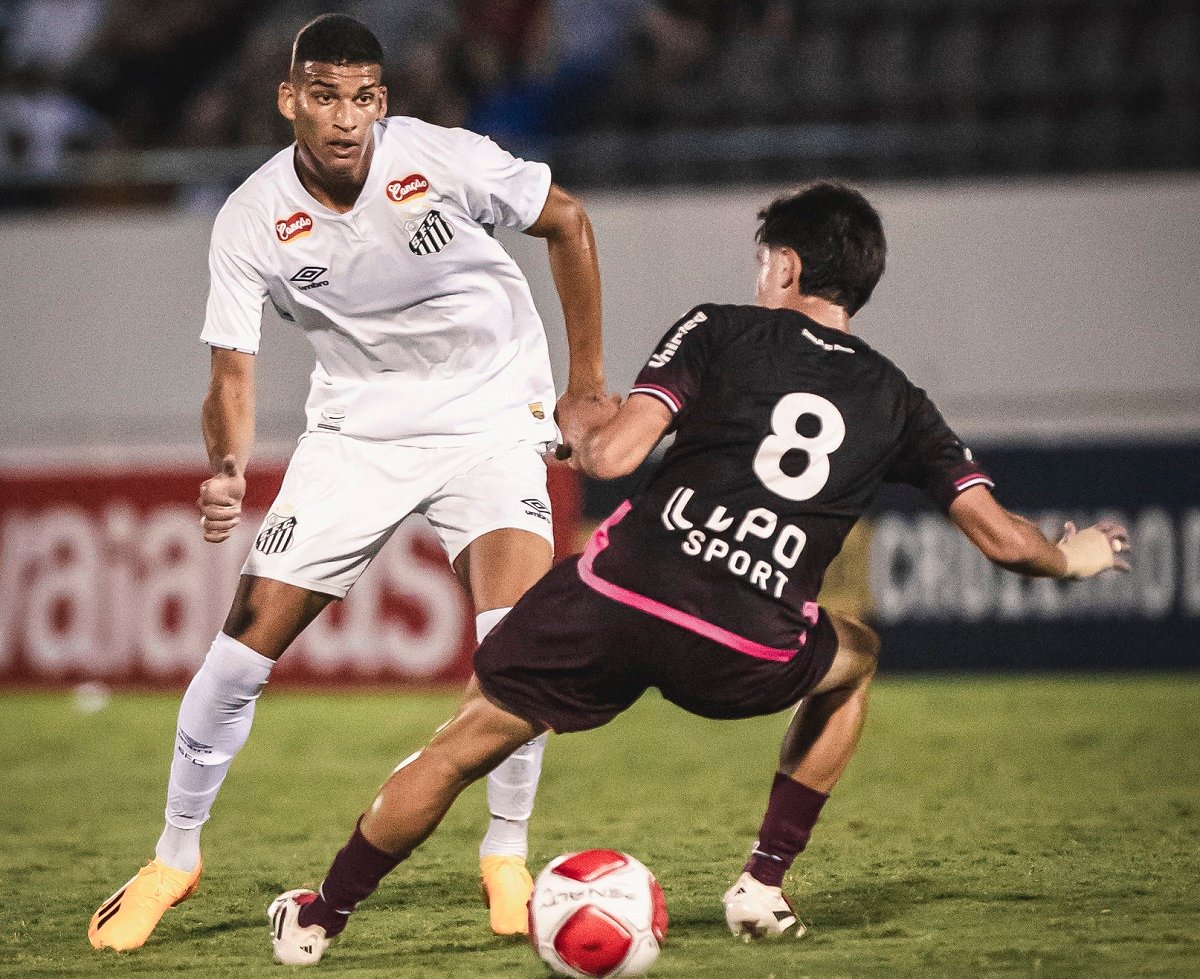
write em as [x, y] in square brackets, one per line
[705, 583]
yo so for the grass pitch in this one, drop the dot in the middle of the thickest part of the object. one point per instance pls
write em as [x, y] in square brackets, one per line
[987, 828]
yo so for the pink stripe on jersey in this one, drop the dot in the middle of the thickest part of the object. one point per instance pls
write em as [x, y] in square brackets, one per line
[974, 479]
[671, 399]
[708, 630]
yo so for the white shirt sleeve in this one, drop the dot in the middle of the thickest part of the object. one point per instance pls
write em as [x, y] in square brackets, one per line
[236, 291]
[502, 189]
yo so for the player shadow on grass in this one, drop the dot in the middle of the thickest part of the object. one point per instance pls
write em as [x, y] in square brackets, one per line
[226, 924]
[872, 902]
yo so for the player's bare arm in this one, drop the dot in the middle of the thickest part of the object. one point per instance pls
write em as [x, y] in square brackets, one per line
[615, 447]
[227, 420]
[1017, 545]
[571, 244]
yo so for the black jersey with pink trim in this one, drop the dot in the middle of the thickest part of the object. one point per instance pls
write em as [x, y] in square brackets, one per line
[784, 432]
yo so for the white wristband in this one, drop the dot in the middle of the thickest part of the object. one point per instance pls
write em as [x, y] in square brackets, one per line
[1088, 553]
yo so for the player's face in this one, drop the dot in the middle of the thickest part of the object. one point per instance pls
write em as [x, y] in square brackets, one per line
[332, 109]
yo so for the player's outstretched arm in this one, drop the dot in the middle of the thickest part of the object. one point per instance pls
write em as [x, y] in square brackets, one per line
[617, 446]
[576, 272]
[227, 419]
[1017, 545]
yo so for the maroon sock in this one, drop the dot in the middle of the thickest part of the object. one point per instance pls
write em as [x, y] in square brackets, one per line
[353, 876]
[791, 813]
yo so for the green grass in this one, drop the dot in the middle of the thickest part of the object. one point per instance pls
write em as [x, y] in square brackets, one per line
[987, 828]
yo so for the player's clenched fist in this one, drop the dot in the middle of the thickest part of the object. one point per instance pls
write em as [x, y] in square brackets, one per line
[577, 416]
[1095, 549]
[220, 501]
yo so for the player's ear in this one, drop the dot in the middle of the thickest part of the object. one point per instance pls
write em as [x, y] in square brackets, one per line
[287, 101]
[790, 267]
[382, 102]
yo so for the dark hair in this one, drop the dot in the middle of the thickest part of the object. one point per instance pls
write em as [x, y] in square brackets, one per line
[338, 40]
[838, 236]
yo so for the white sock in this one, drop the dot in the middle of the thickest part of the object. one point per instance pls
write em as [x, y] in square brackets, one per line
[214, 722]
[511, 789]
[512, 785]
[485, 622]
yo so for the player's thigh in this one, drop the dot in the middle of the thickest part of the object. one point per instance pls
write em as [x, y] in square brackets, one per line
[267, 615]
[499, 567]
[339, 502]
[490, 492]
[857, 655]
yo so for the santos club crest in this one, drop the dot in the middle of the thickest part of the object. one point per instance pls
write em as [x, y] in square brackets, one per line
[276, 536]
[431, 234]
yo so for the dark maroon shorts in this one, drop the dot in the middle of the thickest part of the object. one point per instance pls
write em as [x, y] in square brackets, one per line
[572, 659]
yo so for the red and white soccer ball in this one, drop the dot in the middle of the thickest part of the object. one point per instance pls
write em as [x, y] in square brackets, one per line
[596, 914]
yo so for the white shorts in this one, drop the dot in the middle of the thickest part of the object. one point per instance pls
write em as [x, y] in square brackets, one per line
[342, 498]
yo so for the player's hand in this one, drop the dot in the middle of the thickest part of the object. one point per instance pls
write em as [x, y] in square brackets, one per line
[1095, 549]
[220, 501]
[577, 415]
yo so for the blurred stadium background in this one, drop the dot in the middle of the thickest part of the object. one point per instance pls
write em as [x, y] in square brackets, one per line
[1037, 164]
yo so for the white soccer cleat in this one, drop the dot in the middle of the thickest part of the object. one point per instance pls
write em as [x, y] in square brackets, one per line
[755, 910]
[295, 945]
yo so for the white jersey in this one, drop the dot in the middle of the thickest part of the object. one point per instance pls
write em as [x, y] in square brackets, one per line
[424, 328]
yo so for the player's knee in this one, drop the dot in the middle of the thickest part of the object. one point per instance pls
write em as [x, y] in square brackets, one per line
[863, 644]
[452, 765]
[471, 744]
[871, 645]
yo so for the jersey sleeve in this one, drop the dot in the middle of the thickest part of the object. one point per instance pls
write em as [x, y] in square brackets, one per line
[676, 367]
[236, 292]
[501, 189]
[932, 458]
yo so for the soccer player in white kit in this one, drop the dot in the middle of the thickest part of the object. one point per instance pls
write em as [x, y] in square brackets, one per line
[432, 393]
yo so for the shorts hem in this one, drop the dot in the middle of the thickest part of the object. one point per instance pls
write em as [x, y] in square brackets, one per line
[504, 438]
[321, 587]
[474, 534]
[495, 701]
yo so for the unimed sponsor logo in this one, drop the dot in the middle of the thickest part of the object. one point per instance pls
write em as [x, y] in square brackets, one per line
[663, 357]
[405, 189]
[291, 228]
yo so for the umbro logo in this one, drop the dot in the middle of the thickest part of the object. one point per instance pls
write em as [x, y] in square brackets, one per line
[309, 275]
[536, 508]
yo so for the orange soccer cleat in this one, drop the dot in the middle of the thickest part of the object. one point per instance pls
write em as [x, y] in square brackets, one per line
[507, 887]
[127, 918]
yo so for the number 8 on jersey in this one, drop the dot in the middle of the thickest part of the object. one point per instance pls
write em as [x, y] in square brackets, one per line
[785, 438]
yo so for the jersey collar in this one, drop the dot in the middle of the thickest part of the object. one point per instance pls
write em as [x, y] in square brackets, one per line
[296, 185]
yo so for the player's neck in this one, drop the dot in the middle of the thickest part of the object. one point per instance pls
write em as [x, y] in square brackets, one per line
[820, 311]
[336, 191]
